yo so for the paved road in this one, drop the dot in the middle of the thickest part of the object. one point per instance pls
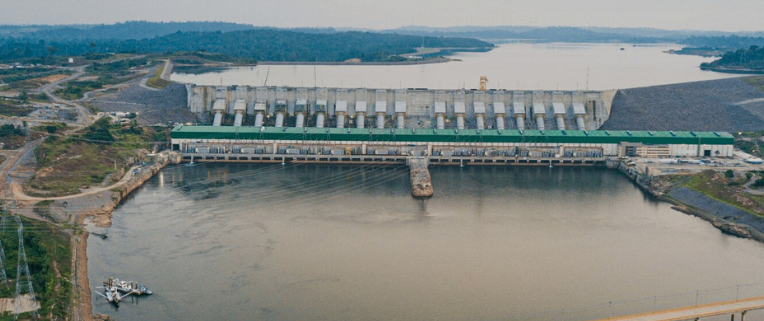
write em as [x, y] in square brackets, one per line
[748, 188]
[695, 312]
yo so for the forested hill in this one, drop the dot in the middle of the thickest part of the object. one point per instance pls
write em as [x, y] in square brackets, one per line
[751, 59]
[118, 31]
[730, 42]
[545, 34]
[249, 45]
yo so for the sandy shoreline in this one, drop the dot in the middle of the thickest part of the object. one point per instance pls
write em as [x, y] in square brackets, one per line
[83, 308]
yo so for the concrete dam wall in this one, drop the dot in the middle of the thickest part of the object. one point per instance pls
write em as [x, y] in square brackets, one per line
[399, 108]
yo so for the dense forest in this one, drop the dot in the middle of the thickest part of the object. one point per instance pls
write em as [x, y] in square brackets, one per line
[546, 34]
[246, 45]
[751, 59]
[119, 31]
[569, 34]
[730, 42]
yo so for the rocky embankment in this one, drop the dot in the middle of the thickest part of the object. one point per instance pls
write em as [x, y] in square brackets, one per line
[727, 218]
[102, 216]
[716, 105]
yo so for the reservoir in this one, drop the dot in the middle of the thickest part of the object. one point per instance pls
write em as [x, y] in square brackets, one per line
[313, 242]
[514, 66]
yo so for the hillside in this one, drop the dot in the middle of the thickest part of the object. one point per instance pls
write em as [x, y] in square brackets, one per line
[250, 45]
[741, 60]
[120, 31]
[545, 34]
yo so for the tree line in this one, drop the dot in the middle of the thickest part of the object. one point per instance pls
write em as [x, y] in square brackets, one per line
[248, 45]
[751, 58]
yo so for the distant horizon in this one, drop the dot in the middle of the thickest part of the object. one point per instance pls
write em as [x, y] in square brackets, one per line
[678, 15]
[374, 29]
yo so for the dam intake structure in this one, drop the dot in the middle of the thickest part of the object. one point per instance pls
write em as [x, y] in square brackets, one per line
[410, 108]
[420, 127]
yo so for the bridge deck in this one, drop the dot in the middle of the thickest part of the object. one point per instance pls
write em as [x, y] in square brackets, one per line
[694, 312]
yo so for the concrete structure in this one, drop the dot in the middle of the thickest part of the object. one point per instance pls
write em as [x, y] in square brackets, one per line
[418, 148]
[413, 108]
[697, 312]
[518, 110]
[218, 111]
[239, 111]
[557, 146]
[421, 181]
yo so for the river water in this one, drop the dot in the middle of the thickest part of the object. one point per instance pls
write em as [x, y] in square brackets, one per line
[305, 242]
[525, 66]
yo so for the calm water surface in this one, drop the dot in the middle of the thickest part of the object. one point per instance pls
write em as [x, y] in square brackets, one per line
[300, 242]
[546, 66]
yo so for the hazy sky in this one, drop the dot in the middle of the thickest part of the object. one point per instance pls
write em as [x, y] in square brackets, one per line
[726, 15]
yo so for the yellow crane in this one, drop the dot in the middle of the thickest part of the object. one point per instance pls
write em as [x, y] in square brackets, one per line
[483, 83]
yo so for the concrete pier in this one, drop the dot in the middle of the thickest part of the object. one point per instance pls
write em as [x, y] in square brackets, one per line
[696, 312]
[421, 182]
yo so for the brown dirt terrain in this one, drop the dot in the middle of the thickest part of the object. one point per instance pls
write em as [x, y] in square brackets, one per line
[52, 78]
[83, 306]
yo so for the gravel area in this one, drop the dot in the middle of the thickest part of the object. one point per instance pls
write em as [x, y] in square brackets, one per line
[716, 105]
[154, 106]
[722, 210]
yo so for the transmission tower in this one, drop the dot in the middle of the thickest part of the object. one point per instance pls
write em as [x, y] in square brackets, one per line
[27, 283]
[2, 260]
[3, 217]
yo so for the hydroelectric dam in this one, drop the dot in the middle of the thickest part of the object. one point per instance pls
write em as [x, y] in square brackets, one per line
[421, 127]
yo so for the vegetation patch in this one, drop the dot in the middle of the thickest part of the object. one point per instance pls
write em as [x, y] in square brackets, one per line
[756, 82]
[13, 137]
[67, 164]
[250, 46]
[751, 59]
[102, 74]
[49, 257]
[156, 81]
[13, 108]
[750, 142]
[718, 187]
[42, 207]
[76, 89]
[30, 78]
[51, 128]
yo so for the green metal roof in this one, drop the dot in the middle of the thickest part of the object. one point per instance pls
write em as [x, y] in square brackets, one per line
[452, 135]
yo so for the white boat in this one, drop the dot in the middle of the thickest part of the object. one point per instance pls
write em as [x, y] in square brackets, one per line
[111, 292]
[132, 287]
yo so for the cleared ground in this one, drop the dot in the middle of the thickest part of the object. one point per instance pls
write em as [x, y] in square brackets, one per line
[154, 106]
